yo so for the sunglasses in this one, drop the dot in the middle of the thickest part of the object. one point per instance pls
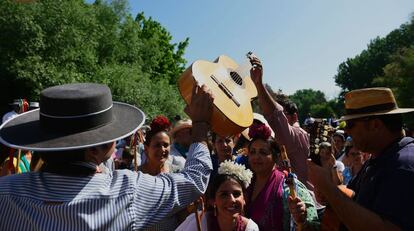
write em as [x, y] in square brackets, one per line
[351, 123]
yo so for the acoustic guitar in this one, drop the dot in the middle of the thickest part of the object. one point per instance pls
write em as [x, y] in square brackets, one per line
[232, 89]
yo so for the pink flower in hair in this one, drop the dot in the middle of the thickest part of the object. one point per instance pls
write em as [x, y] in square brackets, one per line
[259, 131]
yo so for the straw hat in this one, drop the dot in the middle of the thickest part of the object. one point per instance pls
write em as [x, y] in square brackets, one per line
[72, 116]
[371, 101]
[181, 124]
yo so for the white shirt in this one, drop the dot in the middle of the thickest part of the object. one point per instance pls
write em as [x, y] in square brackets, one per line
[9, 115]
[190, 224]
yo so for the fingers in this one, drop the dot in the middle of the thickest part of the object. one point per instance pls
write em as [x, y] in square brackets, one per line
[195, 89]
[296, 204]
[201, 105]
[297, 208]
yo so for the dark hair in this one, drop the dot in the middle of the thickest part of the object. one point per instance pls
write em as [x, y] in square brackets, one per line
[60, 157]
[289, 106]
[274, 146]
[263, 132]
[394, 122]
[62, 162]
[241, 142]
[214, 137]
[158, 124]
[339, 135]
[347, 149]
[218, 180]
[126, 154]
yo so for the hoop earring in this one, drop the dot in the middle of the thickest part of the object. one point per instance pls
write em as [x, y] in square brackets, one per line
[215, 210]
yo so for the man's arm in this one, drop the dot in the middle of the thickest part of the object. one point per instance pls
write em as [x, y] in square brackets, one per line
[295, 139]
[266, 102]
[285, 133]
[351, 214]
[157, 197]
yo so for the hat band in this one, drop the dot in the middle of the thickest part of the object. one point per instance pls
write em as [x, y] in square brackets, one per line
[77, 116]
[371, 109]
[70, 124]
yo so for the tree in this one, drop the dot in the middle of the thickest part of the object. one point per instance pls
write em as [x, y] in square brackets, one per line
[399, 76]
[305, 98]
[46, 43]
[359, 72]
[161, 58]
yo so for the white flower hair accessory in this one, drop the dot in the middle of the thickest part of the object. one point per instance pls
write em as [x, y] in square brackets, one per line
[230, 168]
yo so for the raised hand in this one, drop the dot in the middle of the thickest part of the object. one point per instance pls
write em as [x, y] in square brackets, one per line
[201, 105]
[256, 73]
[200, 110]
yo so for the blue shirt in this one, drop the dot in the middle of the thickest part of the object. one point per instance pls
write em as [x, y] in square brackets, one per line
[385, 184]
[118, 200]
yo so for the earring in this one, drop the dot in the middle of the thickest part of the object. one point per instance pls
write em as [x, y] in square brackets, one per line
[215, 210]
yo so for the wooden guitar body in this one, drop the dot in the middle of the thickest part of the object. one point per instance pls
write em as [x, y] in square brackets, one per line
[233, 93]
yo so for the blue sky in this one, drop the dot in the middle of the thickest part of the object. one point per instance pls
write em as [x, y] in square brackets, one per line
[300, 42]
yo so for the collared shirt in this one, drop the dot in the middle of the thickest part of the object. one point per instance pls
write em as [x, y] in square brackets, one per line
[385, 186]
[118, 200]
[296, 141]
[9, 115]
[176, 157]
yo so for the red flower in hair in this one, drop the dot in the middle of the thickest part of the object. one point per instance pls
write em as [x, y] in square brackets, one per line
[259, 131]
[160, 123]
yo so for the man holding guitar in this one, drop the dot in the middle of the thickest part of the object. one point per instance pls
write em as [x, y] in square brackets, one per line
[383, 187]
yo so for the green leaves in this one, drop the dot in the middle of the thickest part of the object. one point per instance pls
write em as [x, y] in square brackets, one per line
[49, 42]
[387, 62]
[360, 71]
[312, 102]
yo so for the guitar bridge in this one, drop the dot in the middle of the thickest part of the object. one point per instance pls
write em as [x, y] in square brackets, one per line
[225, 90]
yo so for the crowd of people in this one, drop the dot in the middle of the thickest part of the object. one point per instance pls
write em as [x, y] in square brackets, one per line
[84, 162]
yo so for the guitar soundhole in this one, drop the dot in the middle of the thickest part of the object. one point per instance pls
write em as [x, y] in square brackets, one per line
[236, 78]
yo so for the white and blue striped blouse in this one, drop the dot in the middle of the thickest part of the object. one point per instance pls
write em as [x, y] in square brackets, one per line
[119, 200]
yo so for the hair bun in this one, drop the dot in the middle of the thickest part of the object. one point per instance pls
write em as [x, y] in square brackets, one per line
[160, 123]
[259, 131]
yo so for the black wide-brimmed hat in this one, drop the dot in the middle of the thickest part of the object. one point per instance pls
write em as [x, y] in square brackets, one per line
[72, 116]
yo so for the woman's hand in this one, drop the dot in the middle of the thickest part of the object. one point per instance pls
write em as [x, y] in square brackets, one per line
[298, 210]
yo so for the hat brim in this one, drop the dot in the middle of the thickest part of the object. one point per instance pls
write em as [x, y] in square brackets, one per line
[388, 112]
[24, 131]
[178, 128]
